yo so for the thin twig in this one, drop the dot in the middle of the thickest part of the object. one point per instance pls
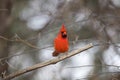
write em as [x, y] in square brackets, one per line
[46, 63]
[11, 65]
[4, 38]
[107, 43]
[10, 56]
[94, 66]
[18, 39]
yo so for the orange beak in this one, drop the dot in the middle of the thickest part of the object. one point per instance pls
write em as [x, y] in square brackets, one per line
[65, 33]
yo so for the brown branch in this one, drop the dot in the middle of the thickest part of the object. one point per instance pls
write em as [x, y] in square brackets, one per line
[27, 43]
[18, 39]
[105, 65]
[49, 62]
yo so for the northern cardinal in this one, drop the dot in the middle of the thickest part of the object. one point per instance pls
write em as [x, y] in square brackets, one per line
[61, 44]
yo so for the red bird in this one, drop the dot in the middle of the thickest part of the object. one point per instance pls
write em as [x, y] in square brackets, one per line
[61, 44]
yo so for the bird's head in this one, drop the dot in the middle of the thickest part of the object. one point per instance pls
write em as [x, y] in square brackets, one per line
[63, 31]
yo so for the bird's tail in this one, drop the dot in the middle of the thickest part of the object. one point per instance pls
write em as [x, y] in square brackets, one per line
[55, 53]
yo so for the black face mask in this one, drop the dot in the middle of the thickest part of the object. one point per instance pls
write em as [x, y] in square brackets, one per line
[64, 35]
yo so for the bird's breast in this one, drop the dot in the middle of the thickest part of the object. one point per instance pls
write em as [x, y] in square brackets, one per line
[61, 45]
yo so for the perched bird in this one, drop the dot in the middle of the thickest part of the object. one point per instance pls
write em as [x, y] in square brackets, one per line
[61, 44]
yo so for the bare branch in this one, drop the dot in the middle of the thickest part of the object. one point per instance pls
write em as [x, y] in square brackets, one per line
[10, 56]
[49, 62]
[95, 65]
[18, 39]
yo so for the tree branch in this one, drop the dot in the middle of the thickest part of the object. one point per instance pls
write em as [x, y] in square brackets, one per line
[46, 63]
[18, 39]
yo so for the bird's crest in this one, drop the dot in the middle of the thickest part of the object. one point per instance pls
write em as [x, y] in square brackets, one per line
[63, 29]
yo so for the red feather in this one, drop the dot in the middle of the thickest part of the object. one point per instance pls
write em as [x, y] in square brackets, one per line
[61, 44]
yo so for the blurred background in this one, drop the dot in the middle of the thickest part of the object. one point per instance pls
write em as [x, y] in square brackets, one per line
[28, 28]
